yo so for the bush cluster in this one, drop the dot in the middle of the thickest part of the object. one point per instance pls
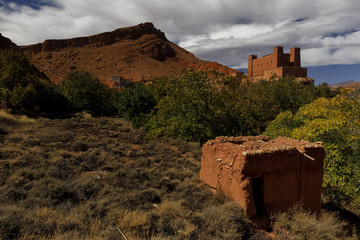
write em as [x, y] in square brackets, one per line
[297, 223]
[23, 86]
[201, 105]
[86, 92]
[196, 106]
[335, 122]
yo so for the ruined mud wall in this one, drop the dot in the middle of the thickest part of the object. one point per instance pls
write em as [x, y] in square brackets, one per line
[286, 170]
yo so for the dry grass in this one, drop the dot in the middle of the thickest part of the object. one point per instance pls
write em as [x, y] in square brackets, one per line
[84, 177]
[81, 178]
[10, 119]
[297, 223]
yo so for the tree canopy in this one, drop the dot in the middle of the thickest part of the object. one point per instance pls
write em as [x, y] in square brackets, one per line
[86, 92]
[135, 103]
[23, 86]
[335, 122]
[201, 105]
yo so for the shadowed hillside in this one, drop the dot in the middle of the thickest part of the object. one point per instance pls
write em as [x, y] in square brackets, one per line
[83, 178]
[6, 43]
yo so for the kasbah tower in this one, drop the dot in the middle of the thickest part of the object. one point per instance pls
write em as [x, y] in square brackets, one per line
[278, 63]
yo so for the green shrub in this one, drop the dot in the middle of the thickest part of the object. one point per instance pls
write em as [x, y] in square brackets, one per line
[199, 106]
[188, 109]
[135, 103]
[335, 122]
[86, 92]
[23, 86]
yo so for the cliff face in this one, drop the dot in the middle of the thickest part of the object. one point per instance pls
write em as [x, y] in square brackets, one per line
[138, 53]
[6, 43]
[98, 40]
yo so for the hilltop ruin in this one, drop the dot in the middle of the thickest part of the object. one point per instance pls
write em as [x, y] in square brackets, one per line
[262, 175]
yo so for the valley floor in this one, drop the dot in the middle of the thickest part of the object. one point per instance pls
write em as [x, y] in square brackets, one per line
[98, 178]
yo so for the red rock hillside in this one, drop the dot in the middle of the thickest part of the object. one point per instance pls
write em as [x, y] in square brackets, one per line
[137, 53]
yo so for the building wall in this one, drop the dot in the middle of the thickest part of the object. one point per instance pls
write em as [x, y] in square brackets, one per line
[289, 177]
[294, 71]
[278, 63]
[291, 170]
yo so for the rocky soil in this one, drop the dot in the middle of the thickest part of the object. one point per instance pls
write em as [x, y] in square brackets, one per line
[137, 53]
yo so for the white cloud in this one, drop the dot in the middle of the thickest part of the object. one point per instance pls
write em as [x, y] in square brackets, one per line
[328, 31]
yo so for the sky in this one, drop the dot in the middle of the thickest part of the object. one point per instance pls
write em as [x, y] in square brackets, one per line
[226, 31]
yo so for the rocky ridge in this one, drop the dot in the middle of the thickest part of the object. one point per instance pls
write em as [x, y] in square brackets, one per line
[6, 43]
[138, 53]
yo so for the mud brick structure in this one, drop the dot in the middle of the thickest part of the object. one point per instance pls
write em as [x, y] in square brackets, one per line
[277, 63]
[262, 175]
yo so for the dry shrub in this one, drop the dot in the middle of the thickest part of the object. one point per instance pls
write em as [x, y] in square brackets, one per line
[134, 224]
[80, 146]
[41, 222]
[10, 221]
[82, 178]
[4, 116]
[297, 223]
[52, 135]
[226, 221]
[170, 219]
[9, 122]
[193, 193]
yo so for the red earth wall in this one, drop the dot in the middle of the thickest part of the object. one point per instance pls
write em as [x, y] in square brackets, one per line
[263, 175]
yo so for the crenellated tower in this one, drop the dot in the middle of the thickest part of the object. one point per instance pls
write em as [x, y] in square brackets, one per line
[278, 64]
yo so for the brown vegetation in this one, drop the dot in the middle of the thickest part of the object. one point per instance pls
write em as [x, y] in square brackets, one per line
[82, 178]
[90, 178]
[299, 224]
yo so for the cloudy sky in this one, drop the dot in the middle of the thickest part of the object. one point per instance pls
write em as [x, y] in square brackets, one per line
[227, 31]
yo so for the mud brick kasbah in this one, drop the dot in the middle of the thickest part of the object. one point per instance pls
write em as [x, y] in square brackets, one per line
[278, 63]
[265, 175]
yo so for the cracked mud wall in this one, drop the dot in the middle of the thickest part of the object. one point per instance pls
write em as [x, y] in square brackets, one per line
[291, 170]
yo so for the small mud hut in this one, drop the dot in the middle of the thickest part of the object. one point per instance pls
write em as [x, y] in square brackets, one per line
[262, 175]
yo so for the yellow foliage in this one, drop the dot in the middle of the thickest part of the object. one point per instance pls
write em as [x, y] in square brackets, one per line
[336, 123]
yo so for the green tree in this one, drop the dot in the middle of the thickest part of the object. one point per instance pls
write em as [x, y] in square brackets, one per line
[23, 86]
[86, 92]
[201, 105]
[135, 103]
[336, 123]
[251, 106]
[188, 109]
